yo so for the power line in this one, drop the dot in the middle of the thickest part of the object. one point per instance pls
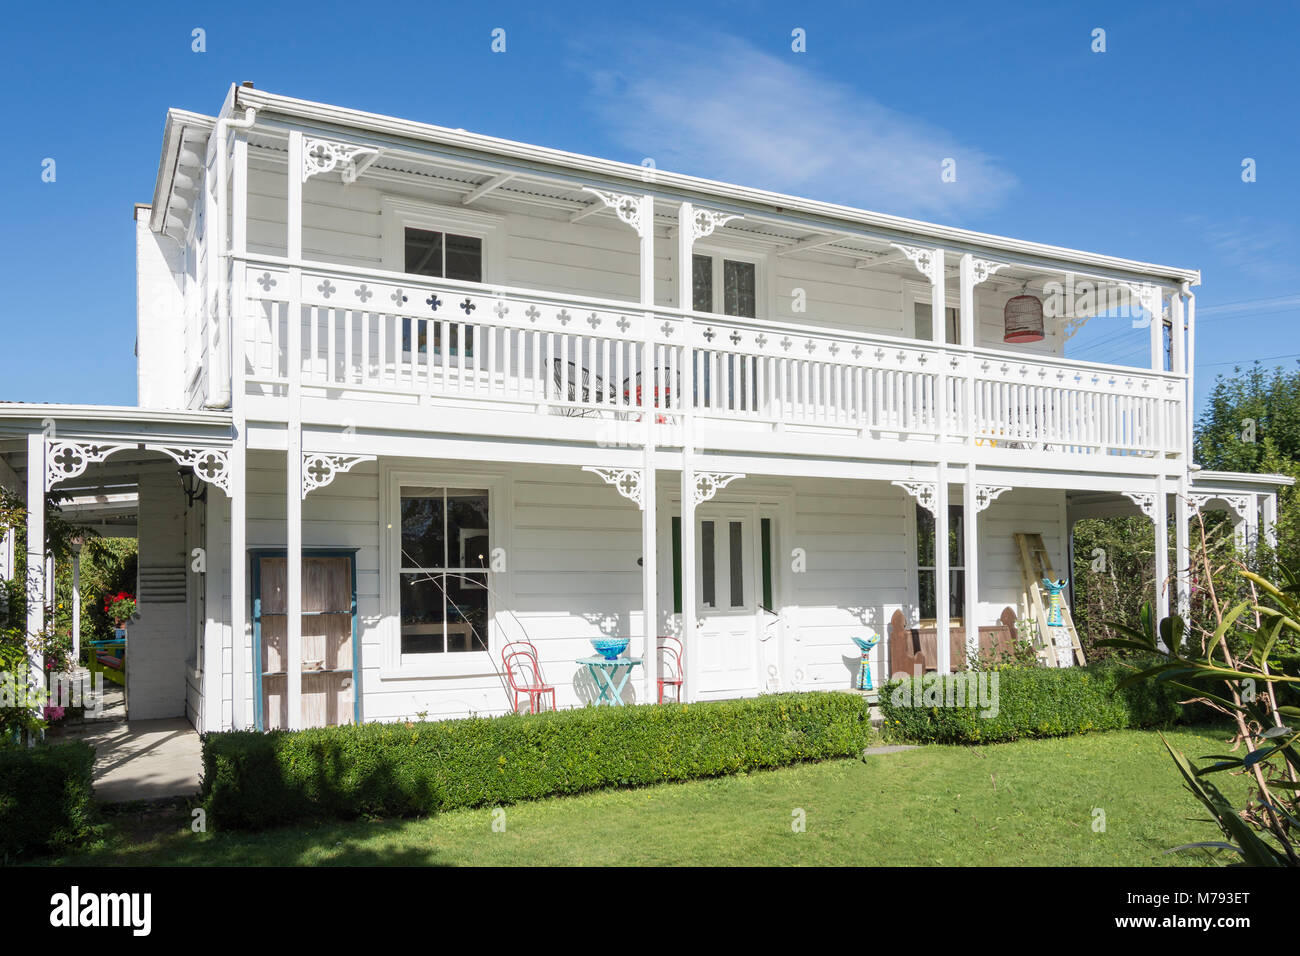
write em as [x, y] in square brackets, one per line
[1266, 358]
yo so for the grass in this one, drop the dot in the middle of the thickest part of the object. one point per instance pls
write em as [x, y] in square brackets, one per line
[1024, 803]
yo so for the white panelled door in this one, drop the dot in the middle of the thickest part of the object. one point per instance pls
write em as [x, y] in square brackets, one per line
[728, 588]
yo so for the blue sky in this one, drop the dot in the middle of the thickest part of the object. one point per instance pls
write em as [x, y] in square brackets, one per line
[1133, 152]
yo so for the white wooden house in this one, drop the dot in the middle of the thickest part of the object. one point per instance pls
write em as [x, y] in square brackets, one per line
[462, 379]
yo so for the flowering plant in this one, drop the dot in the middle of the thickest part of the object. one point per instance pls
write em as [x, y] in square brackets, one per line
[119, 607]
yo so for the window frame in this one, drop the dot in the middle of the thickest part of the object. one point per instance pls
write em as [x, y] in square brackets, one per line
[398, 214]
[915, 293]
[954, 520]
[717, 253]
[446, 664]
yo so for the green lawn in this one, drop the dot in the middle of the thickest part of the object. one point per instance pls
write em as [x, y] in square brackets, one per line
[1026, 803]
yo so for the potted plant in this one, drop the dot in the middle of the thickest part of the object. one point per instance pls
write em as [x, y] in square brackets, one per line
[120, 608]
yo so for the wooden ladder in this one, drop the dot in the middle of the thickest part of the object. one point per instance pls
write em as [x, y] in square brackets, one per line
[1035, 565]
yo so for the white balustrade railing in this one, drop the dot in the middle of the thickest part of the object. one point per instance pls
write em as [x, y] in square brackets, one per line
[371, 332]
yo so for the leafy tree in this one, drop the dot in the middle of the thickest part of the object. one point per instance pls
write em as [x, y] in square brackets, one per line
[1252, 424]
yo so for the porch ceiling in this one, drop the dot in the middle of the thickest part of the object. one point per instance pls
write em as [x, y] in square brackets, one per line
[550, 197]
[414, 138]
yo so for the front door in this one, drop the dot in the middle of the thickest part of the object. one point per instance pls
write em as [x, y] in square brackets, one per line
[728, 592]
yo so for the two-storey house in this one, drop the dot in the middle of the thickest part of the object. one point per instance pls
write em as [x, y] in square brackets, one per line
[430, 392]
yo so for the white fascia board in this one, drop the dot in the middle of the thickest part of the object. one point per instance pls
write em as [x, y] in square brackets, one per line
[1224, 480]
[125, 420]
[633, 176]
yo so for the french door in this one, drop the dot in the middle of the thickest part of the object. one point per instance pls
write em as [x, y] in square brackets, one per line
[728, 591]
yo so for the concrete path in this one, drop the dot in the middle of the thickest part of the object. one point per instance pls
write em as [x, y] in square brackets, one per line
[142, 759]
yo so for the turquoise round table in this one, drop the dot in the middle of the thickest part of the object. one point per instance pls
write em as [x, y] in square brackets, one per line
[611, 677]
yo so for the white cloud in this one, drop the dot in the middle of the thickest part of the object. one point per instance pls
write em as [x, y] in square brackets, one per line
[1262, 251]
[723, 109]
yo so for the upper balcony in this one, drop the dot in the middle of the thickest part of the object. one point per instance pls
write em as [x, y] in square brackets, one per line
[444, 282]
[527, 363]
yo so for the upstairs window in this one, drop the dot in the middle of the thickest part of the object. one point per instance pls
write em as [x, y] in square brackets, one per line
[923, 323]
[724, 286]
[443, 255]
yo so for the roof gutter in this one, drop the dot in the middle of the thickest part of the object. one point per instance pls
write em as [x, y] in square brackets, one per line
[696, 187]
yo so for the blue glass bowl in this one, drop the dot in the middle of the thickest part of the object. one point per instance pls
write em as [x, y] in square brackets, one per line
[610, 647]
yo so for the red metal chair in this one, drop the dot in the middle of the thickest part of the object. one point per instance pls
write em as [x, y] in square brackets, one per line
[524, 673]
[672, 666]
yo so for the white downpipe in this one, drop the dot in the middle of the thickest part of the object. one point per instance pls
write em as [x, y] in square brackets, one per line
[220, 396]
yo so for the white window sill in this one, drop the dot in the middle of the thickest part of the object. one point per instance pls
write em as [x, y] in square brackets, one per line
[455, 664]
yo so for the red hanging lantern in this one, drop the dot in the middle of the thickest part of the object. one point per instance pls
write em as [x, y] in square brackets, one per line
[1022, 319]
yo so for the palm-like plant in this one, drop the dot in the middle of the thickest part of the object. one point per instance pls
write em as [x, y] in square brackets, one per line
[1225, 664]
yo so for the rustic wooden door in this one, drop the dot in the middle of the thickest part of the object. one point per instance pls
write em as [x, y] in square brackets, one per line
[329, 676]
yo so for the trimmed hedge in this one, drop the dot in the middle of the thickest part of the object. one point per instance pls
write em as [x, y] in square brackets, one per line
[1031, 702]
[45, 798]
[254, 780]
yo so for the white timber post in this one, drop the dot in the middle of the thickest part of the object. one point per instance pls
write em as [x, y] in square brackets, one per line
[209, 572]
[293, 459]
[970, 524]
[939, 335]
[1160, 518]
[970, 506]
[1183, 552]
[1157, 330]
[242, 705]
[76, 605]
[942, 617]
[942, 588]
[1252, 522]
[649, 528]
[1189, 368]
[1270, 521]
[36, 477]
[685, 285]
[966, 304]
[7, 554]
[1177, 360]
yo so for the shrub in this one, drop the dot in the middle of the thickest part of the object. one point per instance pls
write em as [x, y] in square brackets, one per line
[1030, 702]
[253, 780]
[45, 798]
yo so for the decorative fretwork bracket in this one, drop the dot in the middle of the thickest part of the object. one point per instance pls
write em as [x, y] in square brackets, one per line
[985, 495]
[923, 257]
[627, 207]
[210, 464]
[1145, 500]
[69, 459]
[323, 156]
[1073, 324]
[626, 481]
[982, 269]
[1239, 504]
[1149, 297]
[925, 493]
[709, 483]
[318, 469]
[704, 221]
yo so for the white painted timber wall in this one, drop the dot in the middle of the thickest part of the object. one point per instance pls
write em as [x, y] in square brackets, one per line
[157, 638]
[160, 327]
